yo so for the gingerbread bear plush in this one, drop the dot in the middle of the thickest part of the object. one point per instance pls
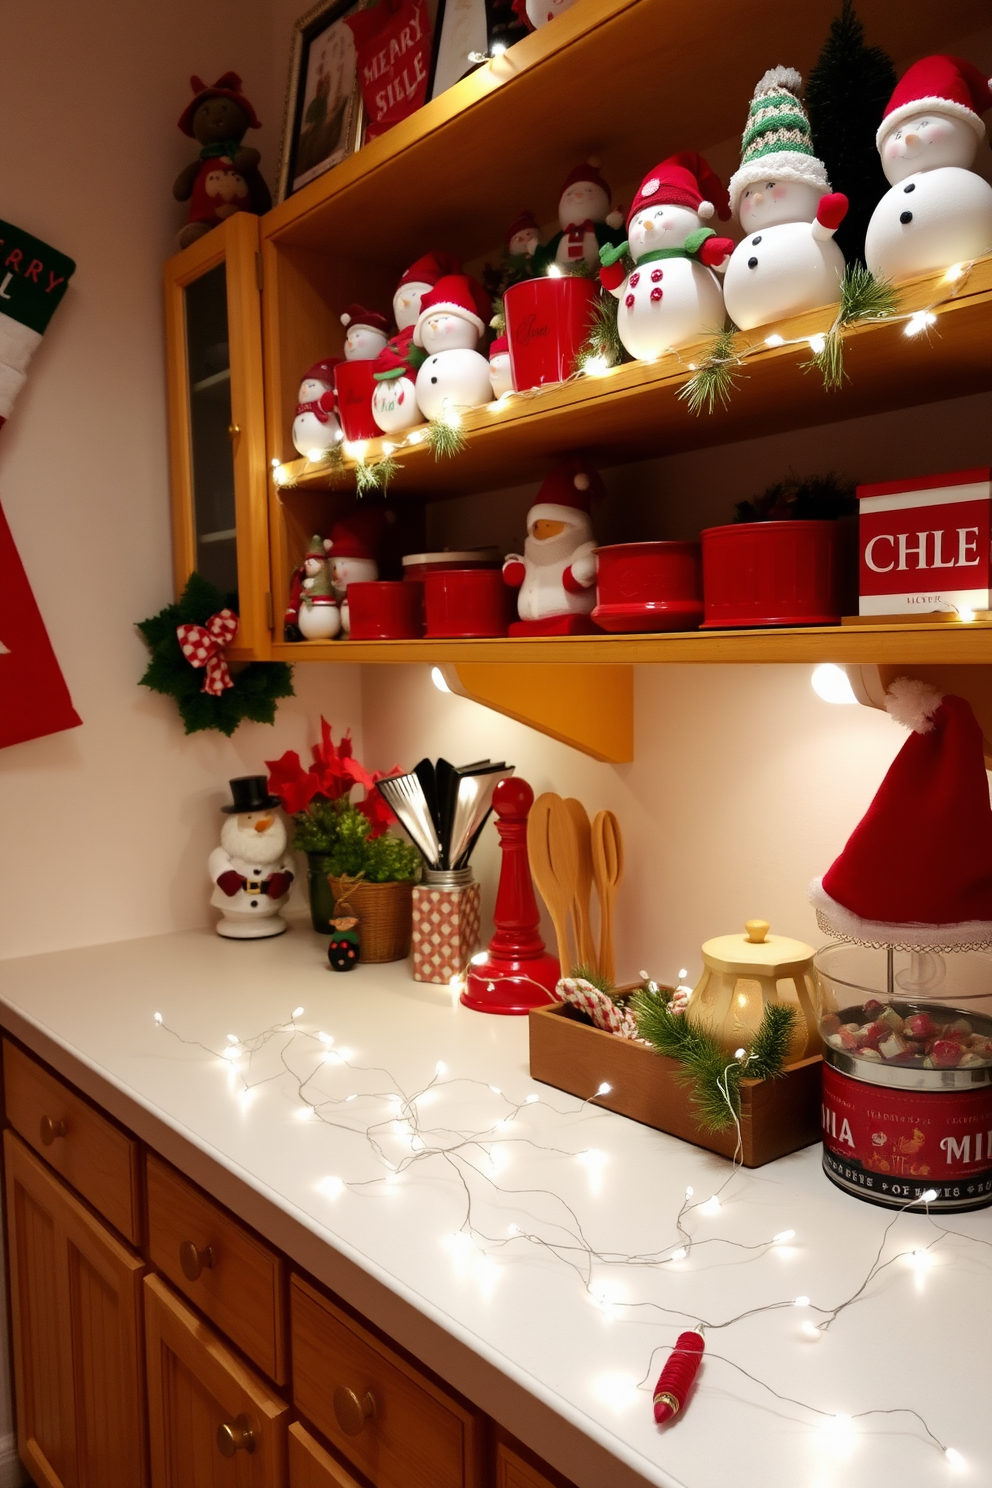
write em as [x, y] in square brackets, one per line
[225, 179]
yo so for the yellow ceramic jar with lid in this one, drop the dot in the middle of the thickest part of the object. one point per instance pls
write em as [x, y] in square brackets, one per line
[742, 974]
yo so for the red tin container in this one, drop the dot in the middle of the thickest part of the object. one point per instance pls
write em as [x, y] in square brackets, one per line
[649, 586]
[773, 573]
[419, 565]
[354, 387]
[386, 610]
[467, 602]
[547, 323]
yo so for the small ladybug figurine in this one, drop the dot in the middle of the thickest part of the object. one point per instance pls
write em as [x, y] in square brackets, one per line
[343, 951]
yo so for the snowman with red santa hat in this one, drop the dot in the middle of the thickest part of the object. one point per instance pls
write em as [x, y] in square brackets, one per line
[366, 332]
[316, 427]
[938, 211]
[419, 279]
[556, 574]
[586, 222]
[449, 329]
[351, 550]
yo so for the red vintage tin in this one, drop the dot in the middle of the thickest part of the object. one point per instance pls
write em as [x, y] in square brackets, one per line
[386, 610]
[773, 573]
[548, 321]
[649, 586]
[467, 602]
[354, 386]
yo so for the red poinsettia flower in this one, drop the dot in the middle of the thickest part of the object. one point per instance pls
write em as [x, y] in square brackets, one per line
[288, 780]
[375, 806]
[335, 767]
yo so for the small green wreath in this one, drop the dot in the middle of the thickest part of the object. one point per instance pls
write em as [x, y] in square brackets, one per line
[257, 686]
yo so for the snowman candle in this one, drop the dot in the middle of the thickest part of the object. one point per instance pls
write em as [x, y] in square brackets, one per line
[938, 212]
[788, 261]
[672, 295]
[394, 401]
[316, 427]
[450, 326]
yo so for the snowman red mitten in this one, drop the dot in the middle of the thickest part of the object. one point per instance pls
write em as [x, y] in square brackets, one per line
[279, 884]
[611, 276]
[230, 882]
[831, 211]
[715, 252]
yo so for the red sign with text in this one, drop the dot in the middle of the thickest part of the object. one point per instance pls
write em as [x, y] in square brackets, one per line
[926, 544]
[393, 44]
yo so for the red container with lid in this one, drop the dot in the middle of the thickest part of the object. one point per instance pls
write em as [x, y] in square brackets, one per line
[467, 602]
[386, 610]
[418, 565]
[354, 387]
[773, 573]
[649, 586]
[548, 321]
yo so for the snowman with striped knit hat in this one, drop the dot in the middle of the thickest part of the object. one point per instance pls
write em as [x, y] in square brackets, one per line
[788, 261]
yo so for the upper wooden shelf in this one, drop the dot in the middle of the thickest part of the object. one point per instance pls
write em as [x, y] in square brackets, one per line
[633, 411]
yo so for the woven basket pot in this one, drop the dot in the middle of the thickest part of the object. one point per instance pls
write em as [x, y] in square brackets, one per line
[385, 916]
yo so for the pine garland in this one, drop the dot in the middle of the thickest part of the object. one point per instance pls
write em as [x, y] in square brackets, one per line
[257, 687]
[375, 477]
[863, 297]
[713, 1076]
[333, 460]
[604, 338]
[445, 438]
[716, 379]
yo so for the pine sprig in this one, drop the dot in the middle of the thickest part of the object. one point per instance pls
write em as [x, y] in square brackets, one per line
[375, 477]
[716, 378]
[863, 298]
[603, 339]
[445, 438]
[333, 461]
[595, 979]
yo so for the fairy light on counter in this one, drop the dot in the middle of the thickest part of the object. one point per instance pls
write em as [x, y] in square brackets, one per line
[783, 1237]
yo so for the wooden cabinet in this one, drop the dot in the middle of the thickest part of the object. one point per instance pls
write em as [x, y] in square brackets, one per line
[513, 1470]
[76, 1320]
[213, 1422]
[310, 1466]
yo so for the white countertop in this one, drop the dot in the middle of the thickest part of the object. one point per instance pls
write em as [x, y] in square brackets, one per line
[917, 1339]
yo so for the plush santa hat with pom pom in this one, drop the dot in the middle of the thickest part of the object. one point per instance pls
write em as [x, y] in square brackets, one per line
[565, 495]
[916, 873]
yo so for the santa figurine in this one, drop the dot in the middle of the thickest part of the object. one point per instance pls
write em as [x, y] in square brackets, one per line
[316, 427]
[419, 279]
[523, 236]
[585, 220]
[311, 586]
[252, 870]
[536, 13]
[938, 212]
[500, 371]
[672, 295]
[366, 333]
[787, 261]
[394, 372]
[556, 575]
[449, 328]
[352, 549]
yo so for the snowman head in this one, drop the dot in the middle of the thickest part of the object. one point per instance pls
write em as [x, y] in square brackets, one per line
[345, 571]
[443, 330]
[774, 200]
[583, 201]
[363, 343]
[524, 243]
[926, 141]
[406, 303]
[254, 836]
[660, 226]
[311, 389]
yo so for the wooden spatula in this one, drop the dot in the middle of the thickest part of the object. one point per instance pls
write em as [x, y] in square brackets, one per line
[607, 867]
[585, 945]
[556, 897]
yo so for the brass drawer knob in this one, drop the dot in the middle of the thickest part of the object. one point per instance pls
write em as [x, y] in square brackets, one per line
[194, 1261]
[51, 1129]
[233, 430]
[353, 1410]
[236, 1436]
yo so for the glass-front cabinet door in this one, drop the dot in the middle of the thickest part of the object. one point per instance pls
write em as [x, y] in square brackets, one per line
[216, 423]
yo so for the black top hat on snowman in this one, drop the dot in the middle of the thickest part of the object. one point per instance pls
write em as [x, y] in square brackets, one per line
[250, 793]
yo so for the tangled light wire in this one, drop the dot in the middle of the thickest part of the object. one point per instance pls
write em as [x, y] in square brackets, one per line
[568, 1244]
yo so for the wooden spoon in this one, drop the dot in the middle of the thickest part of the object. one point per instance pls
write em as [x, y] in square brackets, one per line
[564, 851]
[607, 865]
[557, 898]
[585, 945]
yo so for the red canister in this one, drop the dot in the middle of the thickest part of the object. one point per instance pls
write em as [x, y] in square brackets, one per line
[418, 565]
[548, 321]
[467, 602]
[649, 586]
[354, 386]
[385, 610]
[773, 573]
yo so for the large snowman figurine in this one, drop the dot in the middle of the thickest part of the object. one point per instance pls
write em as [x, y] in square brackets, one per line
[451, 324]
[585, 220]
[316, 427]
[394, 372]
[419, 279]
[556, 574]
[352, 546]
[672, 296]
[938, 212]
[252, 870]
[366, 332]
[787, 261]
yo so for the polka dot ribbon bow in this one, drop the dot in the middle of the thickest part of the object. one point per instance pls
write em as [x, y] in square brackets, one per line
[203, 646]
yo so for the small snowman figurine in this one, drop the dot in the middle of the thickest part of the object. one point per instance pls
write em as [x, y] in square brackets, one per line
[314, 560]
[536, 13]
[252, 870]
[556, 575]
[315, 427]
[672, 295]
[365, 333]
[938, 212]
[585, 220]
[788, 261]
[352, 546]
[318, 615]
[523, 236]
[394, 372]
[500, 371]
[450, 326]
[419, 279]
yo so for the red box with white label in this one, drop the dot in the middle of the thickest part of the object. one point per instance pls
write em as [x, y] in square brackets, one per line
[925, 544]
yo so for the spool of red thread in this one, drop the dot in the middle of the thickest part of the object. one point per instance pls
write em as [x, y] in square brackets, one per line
[675, 1380]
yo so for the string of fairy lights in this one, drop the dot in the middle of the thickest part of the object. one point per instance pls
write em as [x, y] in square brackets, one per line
[404, 1140]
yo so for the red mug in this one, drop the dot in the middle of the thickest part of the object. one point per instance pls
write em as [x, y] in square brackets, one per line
[467, 602]
[548, 321]
[386, 610]
[354, 387]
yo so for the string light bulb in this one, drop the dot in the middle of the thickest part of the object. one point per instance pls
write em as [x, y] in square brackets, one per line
[157, 1017]
[605, 1088]
[783, 1236]
[919, 321]
[298, 1012]
[802, 1301]
[818, 344]
[355, 449]
[774, 339]
[595, 366]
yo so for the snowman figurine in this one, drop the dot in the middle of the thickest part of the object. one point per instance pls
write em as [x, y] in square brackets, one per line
[315, 427]
[585, 220]
[534, 13]
[351, 546]
[252, 870]
[394, 372]
[303, 581]
[318, 616]
[556, 574]
[523, 236]
[500, 371]
[419, 279]
[450, 326]
[672, 295]
[788, 261]
[365, 333]
[938, 212]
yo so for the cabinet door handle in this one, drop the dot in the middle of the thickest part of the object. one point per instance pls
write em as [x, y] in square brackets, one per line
[51, 1129]
[233, 430]
[236, 1436]
[194, 1261]
[353, 1410]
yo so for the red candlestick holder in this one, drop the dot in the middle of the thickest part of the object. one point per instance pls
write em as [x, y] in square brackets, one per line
[517, 974]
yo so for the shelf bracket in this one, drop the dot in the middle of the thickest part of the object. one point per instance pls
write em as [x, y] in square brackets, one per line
[587, 705]
[972, 682]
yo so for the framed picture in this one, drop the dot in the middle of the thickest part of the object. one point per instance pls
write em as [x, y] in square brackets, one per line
[323, 123]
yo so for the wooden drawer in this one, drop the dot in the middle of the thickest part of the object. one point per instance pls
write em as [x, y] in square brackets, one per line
[395, 1425]
[311, 1467]
[86, 1148]
[231, 1275]
[515, 1471]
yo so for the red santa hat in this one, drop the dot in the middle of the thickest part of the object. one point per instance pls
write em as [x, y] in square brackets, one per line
[588, 171]
[684, 180]
[322, 371]
[357, 535]
[526, 222]
[941, 84]
[460, 295]
[565, 494]
[430, 268]
[370, 320]
[500, 347]
[226, 86]
[916, 873]
[398, 358]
